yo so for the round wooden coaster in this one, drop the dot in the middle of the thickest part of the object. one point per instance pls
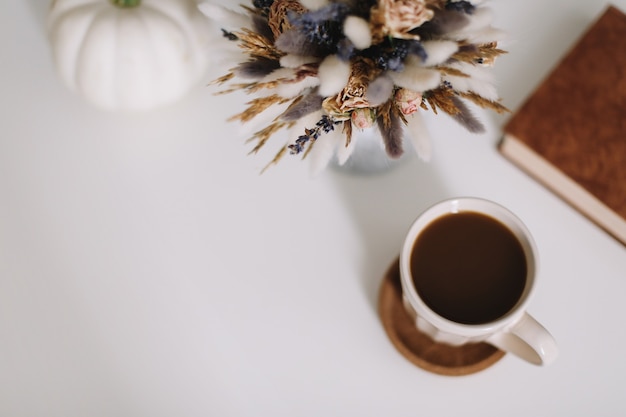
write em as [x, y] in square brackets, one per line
[419, 348]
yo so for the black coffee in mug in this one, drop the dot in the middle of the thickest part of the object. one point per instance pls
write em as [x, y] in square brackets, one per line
[468, 267]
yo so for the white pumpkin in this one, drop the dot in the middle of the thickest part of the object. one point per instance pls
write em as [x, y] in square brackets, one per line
[129, 54]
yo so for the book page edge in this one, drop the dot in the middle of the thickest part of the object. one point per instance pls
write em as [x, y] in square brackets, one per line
[563, 186]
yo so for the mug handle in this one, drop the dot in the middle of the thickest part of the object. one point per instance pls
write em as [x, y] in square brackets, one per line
[527, 339]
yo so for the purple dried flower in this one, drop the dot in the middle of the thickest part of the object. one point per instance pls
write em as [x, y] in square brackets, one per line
[323, 27]
[391, 53]
[298, 146]
[324, 125]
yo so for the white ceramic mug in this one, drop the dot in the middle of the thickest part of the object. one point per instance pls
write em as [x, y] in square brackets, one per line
[516, 331]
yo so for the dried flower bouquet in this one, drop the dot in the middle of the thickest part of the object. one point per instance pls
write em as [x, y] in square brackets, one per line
[322, 69]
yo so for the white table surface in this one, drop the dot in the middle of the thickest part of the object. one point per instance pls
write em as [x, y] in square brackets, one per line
[146, 269]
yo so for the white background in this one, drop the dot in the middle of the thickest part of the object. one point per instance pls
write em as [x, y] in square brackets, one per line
[147, 269]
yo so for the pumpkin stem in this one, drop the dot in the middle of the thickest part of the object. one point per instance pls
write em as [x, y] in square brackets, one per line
[126, 3]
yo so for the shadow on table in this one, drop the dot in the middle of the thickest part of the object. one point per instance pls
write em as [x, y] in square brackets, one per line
[383, 206]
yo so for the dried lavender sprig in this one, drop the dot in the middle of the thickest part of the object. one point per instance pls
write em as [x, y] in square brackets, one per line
[324, 125]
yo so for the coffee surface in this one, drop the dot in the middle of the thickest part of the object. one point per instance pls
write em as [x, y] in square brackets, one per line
[468, 267]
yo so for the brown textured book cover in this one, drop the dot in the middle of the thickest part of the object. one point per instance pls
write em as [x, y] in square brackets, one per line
[570, 134]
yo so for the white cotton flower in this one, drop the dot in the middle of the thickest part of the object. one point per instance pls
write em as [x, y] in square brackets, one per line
[333, 74]
[358, 31]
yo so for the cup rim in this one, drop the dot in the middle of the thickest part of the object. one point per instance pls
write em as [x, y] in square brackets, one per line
[471, 204]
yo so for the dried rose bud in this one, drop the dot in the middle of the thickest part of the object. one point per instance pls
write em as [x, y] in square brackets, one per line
[408, 101]
[363, 118]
